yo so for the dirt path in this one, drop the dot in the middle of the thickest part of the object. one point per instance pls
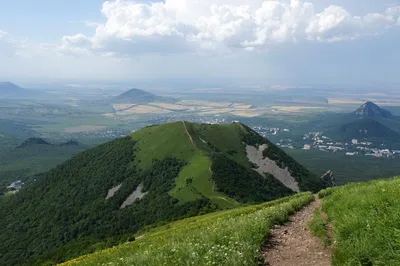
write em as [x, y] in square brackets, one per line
[293, 244]
[190, 137]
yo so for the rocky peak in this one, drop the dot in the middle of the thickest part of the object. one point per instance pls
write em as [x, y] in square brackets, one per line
[370, 109]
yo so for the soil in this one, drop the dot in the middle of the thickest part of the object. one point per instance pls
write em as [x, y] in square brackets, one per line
[293, 244]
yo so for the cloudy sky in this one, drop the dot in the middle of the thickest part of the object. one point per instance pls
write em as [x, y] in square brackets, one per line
[262, 41]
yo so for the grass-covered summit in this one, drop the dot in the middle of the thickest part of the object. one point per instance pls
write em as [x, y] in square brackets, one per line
[159, 174]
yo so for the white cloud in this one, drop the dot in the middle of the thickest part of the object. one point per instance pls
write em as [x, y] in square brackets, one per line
[75, 45]
[222, 25]
[7, 44]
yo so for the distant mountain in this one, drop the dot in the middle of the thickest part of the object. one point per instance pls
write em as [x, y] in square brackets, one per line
[364, 128]
[34, 156]
[137, 96]
[70, 143]
[158, 174]
[8, 88]
[371, 110]
[33, 141]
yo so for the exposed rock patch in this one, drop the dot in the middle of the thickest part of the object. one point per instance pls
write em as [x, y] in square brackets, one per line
[112, 191]
[329, 178]
[137, 194]
[266, 165]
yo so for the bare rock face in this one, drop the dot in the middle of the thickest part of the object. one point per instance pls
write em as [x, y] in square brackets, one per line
[266, 165]
[137, 194]
[112, 191]
[329, 178]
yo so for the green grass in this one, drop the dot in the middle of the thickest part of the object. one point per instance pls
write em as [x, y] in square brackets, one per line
[225, 138]
[318, 226]
[161, 141]
[366, 222]
[194, 182]
[326, 192]
[231, 237]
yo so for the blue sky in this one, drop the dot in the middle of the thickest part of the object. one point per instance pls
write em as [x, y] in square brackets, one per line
[48, 20]
[263, 41]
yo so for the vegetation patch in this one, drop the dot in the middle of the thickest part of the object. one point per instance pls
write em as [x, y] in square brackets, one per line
[318, 226]
[231, 237]
[365, 218]
[64, 214]
[325, 192]
[194, 182]
[243, 184]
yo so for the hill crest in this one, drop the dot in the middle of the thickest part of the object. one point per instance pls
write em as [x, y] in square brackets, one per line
[370, 109]
[137, 96]
[168, 171]
[33, 141]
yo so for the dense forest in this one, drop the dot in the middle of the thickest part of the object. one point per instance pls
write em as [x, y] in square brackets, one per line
[71, 216]
[243, 184]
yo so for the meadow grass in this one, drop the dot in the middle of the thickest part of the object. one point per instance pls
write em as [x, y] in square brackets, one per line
[325, 192]
[317, 226]
[366, 222]
[201, 185]
[232, 237]
[161, 141]
[194, 181]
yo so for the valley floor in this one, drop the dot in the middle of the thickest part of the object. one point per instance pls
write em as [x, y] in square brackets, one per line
[293, 243]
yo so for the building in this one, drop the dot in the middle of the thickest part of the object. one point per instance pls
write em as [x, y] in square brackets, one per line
[354, 141]
[307, 147]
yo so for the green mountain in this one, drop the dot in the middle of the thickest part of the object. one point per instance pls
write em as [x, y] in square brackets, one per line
[32, 157]
[33, 141]
[137, 96]
[365, 128]
[102, 196]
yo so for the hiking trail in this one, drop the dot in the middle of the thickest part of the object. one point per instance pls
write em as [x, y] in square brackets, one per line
[293, 244]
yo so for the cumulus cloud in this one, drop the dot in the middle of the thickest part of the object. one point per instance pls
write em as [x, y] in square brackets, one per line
[222, 25]
[76, 45]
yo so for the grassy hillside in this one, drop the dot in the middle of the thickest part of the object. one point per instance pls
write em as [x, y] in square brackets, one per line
[229, 238]
[365, 217]
[180, 169]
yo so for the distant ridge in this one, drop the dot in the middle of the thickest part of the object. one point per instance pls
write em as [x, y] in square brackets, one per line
[13, 91]
[370, 109]
[69, 143]
[33, 141]
[138, 96]
[39, 141]
[367, 128]
[7, 88]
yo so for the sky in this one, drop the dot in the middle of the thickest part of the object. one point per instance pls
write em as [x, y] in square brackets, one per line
[227, 41]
